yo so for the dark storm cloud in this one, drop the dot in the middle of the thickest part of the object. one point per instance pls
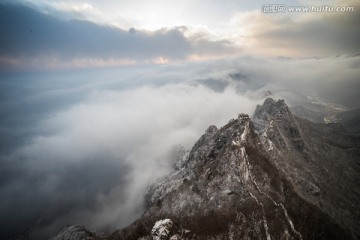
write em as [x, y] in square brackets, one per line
[29, 34]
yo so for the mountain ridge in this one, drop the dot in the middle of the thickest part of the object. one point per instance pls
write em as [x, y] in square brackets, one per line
[272, 176]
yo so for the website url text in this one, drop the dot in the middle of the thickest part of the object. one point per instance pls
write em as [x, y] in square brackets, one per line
[282, 8]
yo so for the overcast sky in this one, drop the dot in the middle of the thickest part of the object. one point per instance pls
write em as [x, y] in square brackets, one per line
[96, 96]
[41, 35]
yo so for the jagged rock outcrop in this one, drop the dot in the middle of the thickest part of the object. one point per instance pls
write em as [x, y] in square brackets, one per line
[272, 176]
[161, 229]
[75, 232]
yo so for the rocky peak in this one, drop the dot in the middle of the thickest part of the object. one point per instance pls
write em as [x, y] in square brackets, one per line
[277, 126]
[75, 232]
[272, 109]
[251, 179]
[211, 129]
[161, 229]
[267, 94]
[271, 177]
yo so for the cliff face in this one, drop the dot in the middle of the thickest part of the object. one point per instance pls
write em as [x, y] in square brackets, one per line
[321, 161]
[273, 176]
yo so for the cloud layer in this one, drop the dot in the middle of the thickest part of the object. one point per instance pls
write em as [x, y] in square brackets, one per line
[38, 38]
[31, 39]
[91, 161]
[304, 33]
[81, 146]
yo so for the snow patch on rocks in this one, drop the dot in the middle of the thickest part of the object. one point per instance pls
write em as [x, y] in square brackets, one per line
[161, 229]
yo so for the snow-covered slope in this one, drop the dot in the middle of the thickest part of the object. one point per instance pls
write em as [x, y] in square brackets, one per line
[272, 176]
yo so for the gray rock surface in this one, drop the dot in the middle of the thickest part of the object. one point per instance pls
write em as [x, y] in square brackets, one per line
[162, 229]
[75, 232]
[272, 176]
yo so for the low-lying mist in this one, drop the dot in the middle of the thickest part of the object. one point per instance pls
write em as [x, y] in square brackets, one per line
[82, 147]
